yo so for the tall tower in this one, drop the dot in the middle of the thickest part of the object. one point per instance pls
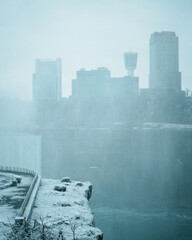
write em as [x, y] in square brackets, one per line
[130, 82]
[164, 61]
[130, 60]
[47, 80]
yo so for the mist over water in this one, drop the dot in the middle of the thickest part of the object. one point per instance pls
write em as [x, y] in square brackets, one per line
[141, 179]
[85, 116]
[136, 224]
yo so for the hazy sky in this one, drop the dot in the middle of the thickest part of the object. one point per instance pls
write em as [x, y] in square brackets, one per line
[86, 34]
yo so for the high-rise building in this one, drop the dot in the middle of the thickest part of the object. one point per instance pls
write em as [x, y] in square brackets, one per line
[47, 80]
[90, 83]
[164, 62]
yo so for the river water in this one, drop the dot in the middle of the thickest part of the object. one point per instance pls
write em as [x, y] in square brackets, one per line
[137, 224]
[141, 179]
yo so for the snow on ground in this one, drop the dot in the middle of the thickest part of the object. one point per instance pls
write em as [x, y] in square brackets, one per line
[3, 180]
[67, 211]
[7, 177]
[10, 202]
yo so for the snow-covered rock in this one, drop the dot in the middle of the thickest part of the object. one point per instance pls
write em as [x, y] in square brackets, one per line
[60, 188]
[67, 211]
[66, 179]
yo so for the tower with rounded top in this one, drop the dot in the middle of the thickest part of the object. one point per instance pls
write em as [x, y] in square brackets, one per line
[130, 60]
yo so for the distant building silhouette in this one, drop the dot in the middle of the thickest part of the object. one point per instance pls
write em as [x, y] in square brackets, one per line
[130, 82]
[122, 87]
[90, 83]
[99, 83]
[130, 60]
[47, 80]
[164, 62]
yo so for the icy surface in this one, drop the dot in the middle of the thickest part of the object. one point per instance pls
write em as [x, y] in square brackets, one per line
[10, 202]
[67, 211]
[3, 180]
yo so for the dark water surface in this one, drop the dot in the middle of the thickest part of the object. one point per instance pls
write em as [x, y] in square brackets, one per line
[134, 224]
[142, 180]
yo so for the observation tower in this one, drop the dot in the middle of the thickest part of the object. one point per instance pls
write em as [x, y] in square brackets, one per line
[130, 60]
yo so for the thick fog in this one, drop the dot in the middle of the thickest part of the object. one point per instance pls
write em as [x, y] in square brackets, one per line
[69, 107]
[85, 34]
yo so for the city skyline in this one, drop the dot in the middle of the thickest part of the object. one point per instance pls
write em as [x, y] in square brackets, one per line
[86, 34]
[100, 84]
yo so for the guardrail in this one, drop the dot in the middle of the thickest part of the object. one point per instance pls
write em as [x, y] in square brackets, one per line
[17, 170]
[27, 205]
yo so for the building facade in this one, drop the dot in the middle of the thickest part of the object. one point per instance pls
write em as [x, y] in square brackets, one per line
[90, 83]
[164, 62]
[47, 83]
[99, 83]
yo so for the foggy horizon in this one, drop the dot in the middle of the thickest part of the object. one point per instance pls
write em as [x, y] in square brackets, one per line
[95, 95]
[86, 34]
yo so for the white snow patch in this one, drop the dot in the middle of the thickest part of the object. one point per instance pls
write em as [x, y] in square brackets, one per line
[7, 210]
[67, 211]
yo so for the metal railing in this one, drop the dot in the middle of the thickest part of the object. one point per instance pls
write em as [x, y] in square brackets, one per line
[27, 205]
[17, 170]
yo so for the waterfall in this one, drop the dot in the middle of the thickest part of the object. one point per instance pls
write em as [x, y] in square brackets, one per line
[21, 151]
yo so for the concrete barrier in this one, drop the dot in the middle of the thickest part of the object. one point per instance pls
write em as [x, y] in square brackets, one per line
[27, 205]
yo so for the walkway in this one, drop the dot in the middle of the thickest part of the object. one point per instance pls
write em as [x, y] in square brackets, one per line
[12, 198]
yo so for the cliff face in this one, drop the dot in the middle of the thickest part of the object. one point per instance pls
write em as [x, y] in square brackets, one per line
[62, 206]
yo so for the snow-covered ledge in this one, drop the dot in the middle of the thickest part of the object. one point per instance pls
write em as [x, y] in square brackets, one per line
[63, 206]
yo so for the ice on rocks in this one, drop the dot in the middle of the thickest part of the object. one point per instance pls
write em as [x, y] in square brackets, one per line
[80, 184]
[68, 211]
[66, 179]
[60, 188]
